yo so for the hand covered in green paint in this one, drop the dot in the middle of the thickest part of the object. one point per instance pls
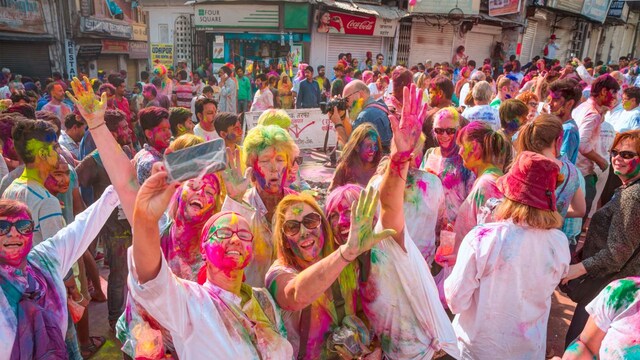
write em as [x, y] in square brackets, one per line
[235, 182]
[90, 107]
[407, 130]
[361, 235]
[154, 196]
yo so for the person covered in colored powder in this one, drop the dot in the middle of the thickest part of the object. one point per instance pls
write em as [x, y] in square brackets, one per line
[360, 157]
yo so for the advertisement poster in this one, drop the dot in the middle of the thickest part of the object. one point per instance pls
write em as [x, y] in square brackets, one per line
[22, 16]
[332, 22]
[504, 7]
[596, 9]
[308, 127]
[162, 53]
[296, 55]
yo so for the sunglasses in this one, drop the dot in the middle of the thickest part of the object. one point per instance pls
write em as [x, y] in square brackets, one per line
[627, 155]
[227, 233]
[298, 160]
[311, 221]
[449, 131]
[24, 227]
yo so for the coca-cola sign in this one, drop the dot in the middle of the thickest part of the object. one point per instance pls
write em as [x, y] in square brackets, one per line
[342, 23]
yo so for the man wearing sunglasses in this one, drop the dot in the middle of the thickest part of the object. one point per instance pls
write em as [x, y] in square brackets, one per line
[363, 108]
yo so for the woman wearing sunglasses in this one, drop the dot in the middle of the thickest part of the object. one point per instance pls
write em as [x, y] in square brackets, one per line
[313, 280]
[223, 318]
[360, 157]
[445, 162]
[612, 243]
[33, 298]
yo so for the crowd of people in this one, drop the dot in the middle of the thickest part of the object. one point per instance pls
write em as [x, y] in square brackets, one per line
[463, 197]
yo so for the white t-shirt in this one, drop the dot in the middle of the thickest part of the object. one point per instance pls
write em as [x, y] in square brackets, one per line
[463, 93]
[484, 113]
[501, 287]
[262, 100]
[623, 120]
[207, 322]
[206, 135]
[616, 311]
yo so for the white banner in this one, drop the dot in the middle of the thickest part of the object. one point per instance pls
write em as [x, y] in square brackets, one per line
[308, 127]
[256, 16]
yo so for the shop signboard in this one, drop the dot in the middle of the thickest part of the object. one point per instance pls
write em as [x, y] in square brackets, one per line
[140, 32]
[333, 22]
[619, 10]
[105, 28]
[72, 61]
[237, 16]
[308, 127]
[22, 16]
[596, 9]
[115, 47]
[468, 7]
[162, 53]
[504, 7]
[138, 50]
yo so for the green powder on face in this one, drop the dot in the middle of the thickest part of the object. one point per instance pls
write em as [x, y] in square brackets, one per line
[622, 295]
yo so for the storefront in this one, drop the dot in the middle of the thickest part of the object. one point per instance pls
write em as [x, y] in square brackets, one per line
[255, 36]
[343, 28]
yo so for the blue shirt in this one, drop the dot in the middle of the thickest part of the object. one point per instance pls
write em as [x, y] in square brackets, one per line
[308, 95]
[377, 117]
[570, 140]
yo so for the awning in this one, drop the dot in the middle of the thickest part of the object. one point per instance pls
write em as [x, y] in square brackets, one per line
[194, 2]
[385, 12]
[501, 20]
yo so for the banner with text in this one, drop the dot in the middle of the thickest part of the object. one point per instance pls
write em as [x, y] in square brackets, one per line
[162, 53]
[342, 23]
[22, 16]
[308, 127]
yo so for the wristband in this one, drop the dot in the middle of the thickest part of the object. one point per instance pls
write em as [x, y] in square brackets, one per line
[97, 126]
[342, 256]
[337, 126]
[401, 157]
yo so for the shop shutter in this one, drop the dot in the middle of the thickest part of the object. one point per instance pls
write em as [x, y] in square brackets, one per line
[430, 43]
[108, 63]
[543, 32]
[629, 33]
[36, 64]
[354, 44]
[478, 46]
[527, 42]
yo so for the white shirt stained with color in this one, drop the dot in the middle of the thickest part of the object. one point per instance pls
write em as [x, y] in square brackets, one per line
[206, 135]
[484, 113]
[501, 287]
[616, 311]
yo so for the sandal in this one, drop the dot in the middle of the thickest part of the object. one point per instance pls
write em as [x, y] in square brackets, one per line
[87, 351]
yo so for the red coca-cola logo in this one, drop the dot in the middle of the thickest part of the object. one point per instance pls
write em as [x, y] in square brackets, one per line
[360, 25]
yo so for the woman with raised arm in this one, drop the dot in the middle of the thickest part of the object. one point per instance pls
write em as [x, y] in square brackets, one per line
[33, 297]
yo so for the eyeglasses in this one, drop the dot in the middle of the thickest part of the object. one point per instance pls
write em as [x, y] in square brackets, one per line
[311, 221]
[24, 227]
[449, 131]
[298, 160]
[627, 155]
[226, 233]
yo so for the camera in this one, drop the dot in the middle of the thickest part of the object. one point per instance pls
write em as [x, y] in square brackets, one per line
[339, 103]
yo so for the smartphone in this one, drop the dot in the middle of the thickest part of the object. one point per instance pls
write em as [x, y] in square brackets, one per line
[196, 161]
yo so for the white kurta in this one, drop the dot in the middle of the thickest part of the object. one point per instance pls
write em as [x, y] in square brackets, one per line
[54, 257]
[501, 287]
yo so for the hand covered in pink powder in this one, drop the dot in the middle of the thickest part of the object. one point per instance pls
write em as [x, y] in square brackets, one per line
[361, 236]
[234, 181]
[90, 107]
[407, 130]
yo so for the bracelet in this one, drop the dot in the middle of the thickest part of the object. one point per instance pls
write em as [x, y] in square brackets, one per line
[342, 256]
[338, 125]
[97, 126]
[401, 157]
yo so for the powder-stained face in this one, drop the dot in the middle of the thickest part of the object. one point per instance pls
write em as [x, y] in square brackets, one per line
[160, 136]
[229, 244]
[14, 246]
[270, 170]
[626, 168]
[368, 149]
[445, 121]
[340, 219]
[59, 179]
[198, 198]
[307, 244]
[234, 133]
[469, 153]
[43, 151]
[628, 103]
[123, 133]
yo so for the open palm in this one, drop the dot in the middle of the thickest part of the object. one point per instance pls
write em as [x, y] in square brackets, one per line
[90, 107]
[407, 130]
[235, 182]
[361, 235]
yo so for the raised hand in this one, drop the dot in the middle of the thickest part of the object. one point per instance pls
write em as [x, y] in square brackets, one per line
[91, 108]
[154, 196]
[235, 182]
[361, 235]
[407, 130]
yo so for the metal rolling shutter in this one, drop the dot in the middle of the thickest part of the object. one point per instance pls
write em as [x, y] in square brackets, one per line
[543, 32]
[108, 63]
[26, 58]
[478, 46]
[628, 39]
[354, 44]
[527, 42]
[428, 42]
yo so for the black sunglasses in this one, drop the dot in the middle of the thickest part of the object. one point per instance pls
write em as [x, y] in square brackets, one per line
[311, 221]
[24, 227]
[227, 233]
[449, 131]
[627, 155]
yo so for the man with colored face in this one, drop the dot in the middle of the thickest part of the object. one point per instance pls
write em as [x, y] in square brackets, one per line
[364, 109]
[308, 92]
[564, 96]
[206, 110]
[440, 93]
[55, 105]
[589, 116]
[507, 89]
[157, 130]
[116, 233]
[626, 115]
[263, 98]
[72, 135]
[229, 128]
[180, 120]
